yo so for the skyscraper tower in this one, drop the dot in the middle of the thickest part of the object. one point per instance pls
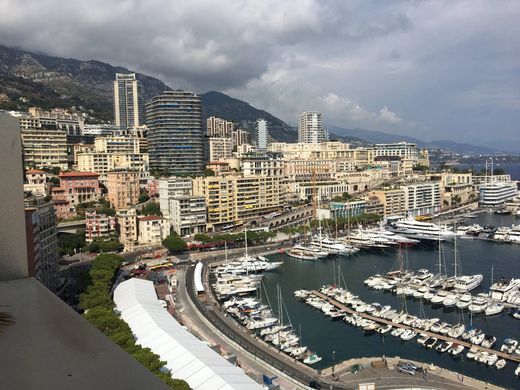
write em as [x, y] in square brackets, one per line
[262, 134]
[175, 143]
[128, 101]
[310, 128]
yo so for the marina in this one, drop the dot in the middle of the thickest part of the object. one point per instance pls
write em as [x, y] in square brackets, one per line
[324, 335]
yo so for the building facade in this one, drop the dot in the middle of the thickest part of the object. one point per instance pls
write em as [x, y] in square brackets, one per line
[393, 200]
[219, 128]
[171, 187]
[174, 121]
[188, 214]
[497, 193]
[98, 225]
[44, 147]
[128, 101]
[75, 188]
[152, 229]
[42, 241]
[36, 182]
[423, 198]
[220, 148]
[123, 189]
[127, 226]
[262, 134]
[310, 128]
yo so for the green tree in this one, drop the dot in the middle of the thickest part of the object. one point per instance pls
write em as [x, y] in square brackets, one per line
[151, 208]
[143, 197]
[209, 172]
[174, 243]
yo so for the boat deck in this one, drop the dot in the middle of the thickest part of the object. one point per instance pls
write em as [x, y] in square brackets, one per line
[438, 336]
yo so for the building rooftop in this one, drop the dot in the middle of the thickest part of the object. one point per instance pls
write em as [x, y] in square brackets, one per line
[78, 174]
[50, 346]
[34, 171]
[150, 218]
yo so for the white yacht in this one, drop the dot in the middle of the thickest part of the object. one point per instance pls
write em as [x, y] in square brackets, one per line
[494, 308]
[428, 231]
[514, 234]
[464, 301]
[299, 252]
[479, 304]
[467, 282]
[503, 289]
[333, 246]
[450, 300]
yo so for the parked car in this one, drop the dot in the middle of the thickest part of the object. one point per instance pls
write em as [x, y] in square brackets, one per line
[405, 369]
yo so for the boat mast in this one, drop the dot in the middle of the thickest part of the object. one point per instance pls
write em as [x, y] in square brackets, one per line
[455, 255]
[245, 235]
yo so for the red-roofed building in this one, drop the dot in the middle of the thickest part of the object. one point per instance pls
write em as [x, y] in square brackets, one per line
[75, 188]
[36, 182]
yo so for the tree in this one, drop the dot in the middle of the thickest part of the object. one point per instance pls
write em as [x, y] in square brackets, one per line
[143, 197]
[68, 244]
[209, 172]
[151, 208]
[174, 243]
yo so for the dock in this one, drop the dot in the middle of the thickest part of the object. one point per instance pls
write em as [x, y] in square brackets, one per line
[338, 305]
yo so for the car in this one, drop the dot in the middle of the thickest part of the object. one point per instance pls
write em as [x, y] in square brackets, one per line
[413, 366]
[405, 369]
[315, 385]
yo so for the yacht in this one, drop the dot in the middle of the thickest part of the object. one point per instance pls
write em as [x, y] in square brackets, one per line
[450, 300]
[479, 303]
[319, 252]
[333, 246]
[502, 234]
[514, 234]
[509, 346]
[427, 231]
[494, 308]
[504, 288]
[464, 301]
[467, 282]
[397, 238]
[300, 252]
[439, 298]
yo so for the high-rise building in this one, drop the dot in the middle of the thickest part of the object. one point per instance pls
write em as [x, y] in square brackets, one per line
[171, 187]
[262, 134]
[128, 101]
[220, 148]
[310, 128]
[240, 137]
[175, 133]
[219, 128]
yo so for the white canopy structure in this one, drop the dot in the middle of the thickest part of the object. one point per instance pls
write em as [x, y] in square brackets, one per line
[199, 286]
[185, 355]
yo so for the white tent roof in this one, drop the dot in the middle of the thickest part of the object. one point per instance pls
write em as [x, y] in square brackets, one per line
[185, 355]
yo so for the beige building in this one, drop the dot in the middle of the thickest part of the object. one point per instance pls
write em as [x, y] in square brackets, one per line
[220, 148]
[188, 214]
[152, 230]
[44, 147]
[36, 182]
[123, 188]
[236, 199]
[98, 225]
[127, 223]
[394, 201]
[239, 137]
[219, 128]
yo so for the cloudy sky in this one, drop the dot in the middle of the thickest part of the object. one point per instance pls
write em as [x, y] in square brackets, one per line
[430, 69]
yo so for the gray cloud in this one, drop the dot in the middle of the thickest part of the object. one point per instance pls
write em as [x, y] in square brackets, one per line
[425, 68]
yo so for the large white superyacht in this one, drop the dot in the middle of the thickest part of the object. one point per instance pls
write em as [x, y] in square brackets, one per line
[427, 231]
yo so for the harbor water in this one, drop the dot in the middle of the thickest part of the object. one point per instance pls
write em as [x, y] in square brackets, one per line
[340, 341]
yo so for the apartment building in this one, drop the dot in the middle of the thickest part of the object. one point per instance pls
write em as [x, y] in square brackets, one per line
[239, 137]
[220, 148]
[264, 164]
[123, 188]
[36, 182]
[310, 128]
[98, 225]
[188, 214]
[171, 187]
[75, 188]
[72, 123]
[262, 134]
[404, 150]
[235, 199]
[313, 151]
[423, 198]
[127, 225]
[497, 193]
[393, 201]
[44, 147]
[42, 241]
[128, 101]
[152, 229]
[219, 128]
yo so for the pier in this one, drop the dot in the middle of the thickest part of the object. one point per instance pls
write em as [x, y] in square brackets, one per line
[338, 305]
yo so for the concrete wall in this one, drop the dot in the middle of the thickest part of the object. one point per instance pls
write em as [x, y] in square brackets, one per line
[13, 249]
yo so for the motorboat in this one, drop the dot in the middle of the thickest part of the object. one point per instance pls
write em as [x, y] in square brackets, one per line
[457, 349]
[297, 352]
[467, 283]
[444, 346]
[489, 341]
[428, 296]
[509, 346]
[492, 359]
[477, 340]
[479, 303]
[503, 289]
[312, 359]
[472, 353]
[500, 364]
[431, 343]
[450, 300]
[384, 329]
[302, 254]
[464, 301]
[397, 332]
[457, 331]
[439, 298]
[494, 308]
[408, 335]
[423, 339]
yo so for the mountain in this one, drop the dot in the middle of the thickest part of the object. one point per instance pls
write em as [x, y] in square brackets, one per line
[379, 137]
[30, 79]
[226, 107]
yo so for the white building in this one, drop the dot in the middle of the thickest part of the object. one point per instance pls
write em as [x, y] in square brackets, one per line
[36, 182]
[423, 198]
[128, 101]
[262, 134]
[264, 164]
[171, 187]
[310, 128]
[188, 214]
[404, 150]
[152, 229]
[219, 128]
[220, 148]
[497, 193]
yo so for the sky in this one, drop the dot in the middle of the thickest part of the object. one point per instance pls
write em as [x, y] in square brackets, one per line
[429, 69]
